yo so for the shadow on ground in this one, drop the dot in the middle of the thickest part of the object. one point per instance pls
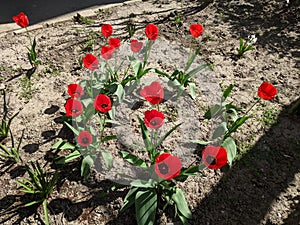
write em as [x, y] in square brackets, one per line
[39, 11]
[246, 192]
[270, 21]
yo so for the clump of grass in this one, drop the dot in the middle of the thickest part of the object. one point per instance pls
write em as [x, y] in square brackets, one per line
[40, 185]
[5, 122]
[83, 20]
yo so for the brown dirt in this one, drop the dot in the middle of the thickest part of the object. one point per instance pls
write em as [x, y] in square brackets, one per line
[263, 185]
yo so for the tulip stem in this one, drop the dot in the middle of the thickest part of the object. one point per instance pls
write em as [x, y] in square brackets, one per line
[28, 34]
[258, 100]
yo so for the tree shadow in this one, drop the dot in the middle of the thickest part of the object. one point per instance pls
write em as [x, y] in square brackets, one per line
[38, 11]
[246, 192]
[275, 23]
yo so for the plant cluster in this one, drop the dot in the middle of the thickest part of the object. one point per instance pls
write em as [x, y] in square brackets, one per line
[91, 109]
[90, 112]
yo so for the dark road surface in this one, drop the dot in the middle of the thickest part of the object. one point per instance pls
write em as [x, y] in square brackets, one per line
[40, 10]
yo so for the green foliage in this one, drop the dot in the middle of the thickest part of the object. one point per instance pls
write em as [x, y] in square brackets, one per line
[5, 121]
[32, 55]
[244, 47]
[131, 28]
[12, 154]
[40, 184]
[83, 20]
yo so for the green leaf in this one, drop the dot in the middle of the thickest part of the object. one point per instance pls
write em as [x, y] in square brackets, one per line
[194, 71]
[143, 183]
[192, 90]
[213, 111]
[72, 128]
[145, 135]
[192, 58]
[145, 207]
[133, 159]
[161, 73]
[129, 199]
[166, 135]
[232, 114]
[239, 122]
[201, 142]
[136, 66]
[183, 219]
[191, 170]
[220, 130]
[227, 91]
[181, 203]
[32, 203]
[120, 93]
[63, 145]
[89, 112]
[86, 165]
[70, 157]
[230, 147]
[108, 159]
[108, 138]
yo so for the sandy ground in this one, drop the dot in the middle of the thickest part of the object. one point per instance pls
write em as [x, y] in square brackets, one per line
[263, 185]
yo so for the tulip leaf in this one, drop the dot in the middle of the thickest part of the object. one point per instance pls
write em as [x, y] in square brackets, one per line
[108, 138]
[220, 130]
[227, 91]
[69, 158]
[191, 58]
[108, 159]
[145, 135]
[145, 206]
[133, 159]
[239, 122]
[129, 199]
[213, 111]
[192, 90]
[72, 128]
[230, 147]
[63, 145]
[166, 135]
[181, 203]
[201, 142]
[143, 183]
[194, 71]
[86, 165]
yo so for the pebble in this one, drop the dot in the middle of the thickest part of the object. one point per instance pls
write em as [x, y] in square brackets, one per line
[2, 86]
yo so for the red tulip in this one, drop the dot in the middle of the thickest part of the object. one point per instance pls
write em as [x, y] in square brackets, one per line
[196, 30]
[106, 30]
[21, 19]
[214, 157]
[107, 52]
[102, 103]
[151, 31]
[114, 42]
[154, 93]
[167, 166]
[135, 45]
[154, 119]
[75, 90]
[85, 138]
[267, 91]
[73, 107]
[90, 62]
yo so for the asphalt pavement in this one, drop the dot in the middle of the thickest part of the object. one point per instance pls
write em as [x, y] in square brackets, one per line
[41, 10]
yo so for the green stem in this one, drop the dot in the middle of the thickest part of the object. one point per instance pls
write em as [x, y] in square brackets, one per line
[102, 126]
[148, 49]
[258, 100]
[27, 31]
[46, 212]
